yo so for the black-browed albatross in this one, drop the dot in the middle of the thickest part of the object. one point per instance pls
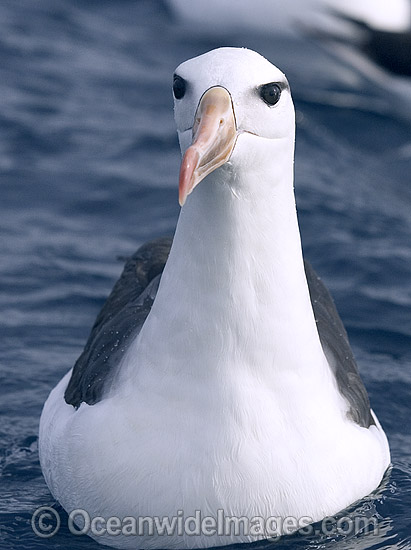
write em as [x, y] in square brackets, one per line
[218, 376]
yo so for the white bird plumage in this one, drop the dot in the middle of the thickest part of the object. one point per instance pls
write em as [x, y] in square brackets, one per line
[225, 399]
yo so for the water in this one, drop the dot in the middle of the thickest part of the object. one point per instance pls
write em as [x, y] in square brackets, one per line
[89, 162]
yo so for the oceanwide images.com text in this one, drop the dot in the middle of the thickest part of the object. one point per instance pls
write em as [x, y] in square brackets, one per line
[46, 522]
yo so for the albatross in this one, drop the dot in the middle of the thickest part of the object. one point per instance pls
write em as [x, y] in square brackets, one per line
[218, 380]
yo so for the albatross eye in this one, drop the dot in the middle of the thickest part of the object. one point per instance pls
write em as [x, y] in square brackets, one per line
[270, 93]
[179, 86]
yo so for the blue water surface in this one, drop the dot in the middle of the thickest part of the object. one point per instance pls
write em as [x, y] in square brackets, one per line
[88, 165]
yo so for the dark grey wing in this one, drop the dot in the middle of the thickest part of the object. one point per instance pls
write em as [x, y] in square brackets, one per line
[117, 324]
[337, 350]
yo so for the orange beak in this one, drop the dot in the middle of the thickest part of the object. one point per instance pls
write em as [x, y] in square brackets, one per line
[214, 137]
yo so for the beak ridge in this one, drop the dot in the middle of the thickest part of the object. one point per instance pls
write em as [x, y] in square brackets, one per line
[214, 137]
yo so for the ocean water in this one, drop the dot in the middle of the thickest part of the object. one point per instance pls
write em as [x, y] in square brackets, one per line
[89, 163]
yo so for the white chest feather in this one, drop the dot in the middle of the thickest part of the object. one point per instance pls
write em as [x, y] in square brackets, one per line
[225, 400]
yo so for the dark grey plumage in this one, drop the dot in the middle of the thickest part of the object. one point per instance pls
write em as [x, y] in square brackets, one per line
[120, 319]
[337, 349]
[129, 304]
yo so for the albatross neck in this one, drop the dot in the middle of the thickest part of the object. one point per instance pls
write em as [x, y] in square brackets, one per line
[234, 285]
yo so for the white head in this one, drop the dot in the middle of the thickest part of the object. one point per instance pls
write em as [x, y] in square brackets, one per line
[233, 107]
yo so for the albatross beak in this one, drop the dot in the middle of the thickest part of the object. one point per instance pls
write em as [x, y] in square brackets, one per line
[214, 137]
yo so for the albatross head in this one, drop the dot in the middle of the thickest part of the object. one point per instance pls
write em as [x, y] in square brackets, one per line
[233, 109]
